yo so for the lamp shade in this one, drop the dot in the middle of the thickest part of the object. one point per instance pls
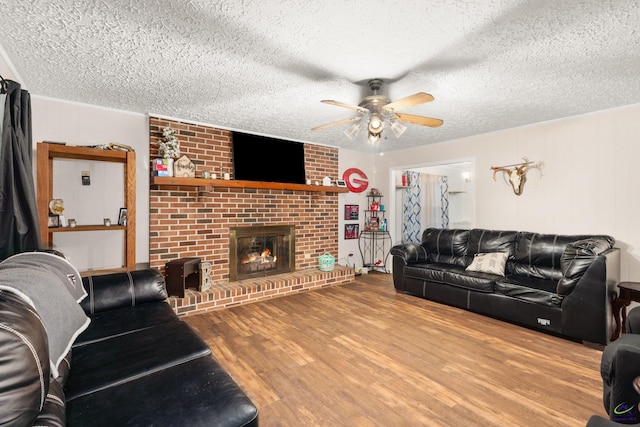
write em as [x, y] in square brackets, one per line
[398, 128]
[352, 131]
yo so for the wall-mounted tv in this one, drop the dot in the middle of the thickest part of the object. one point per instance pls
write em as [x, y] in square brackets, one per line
[260, 158]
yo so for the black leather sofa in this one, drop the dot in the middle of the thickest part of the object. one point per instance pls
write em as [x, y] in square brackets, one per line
[136, 364]
[559, 284]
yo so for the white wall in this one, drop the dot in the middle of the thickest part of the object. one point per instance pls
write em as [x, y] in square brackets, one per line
[365, 162]
[81, 124]
[586, 186]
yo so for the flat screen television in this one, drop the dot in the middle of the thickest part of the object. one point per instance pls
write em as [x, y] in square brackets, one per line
[260, 158]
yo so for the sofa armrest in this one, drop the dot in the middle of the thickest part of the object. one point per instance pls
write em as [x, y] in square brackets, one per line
[410, 253]
[403, 254]
[118, 290]
[576, 259]
[587, 311]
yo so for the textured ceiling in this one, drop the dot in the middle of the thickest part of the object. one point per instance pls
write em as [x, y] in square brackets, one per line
[264, 66]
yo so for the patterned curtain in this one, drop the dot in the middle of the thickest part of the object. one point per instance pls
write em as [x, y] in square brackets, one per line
[444, 201]
[412, 209]
[425, 203]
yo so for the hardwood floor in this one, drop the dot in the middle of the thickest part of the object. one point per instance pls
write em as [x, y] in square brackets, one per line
[362, 355]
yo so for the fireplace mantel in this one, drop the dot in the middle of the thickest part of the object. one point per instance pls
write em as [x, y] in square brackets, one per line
[159, 181]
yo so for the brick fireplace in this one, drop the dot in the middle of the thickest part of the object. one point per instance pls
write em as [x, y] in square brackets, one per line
[197, 221]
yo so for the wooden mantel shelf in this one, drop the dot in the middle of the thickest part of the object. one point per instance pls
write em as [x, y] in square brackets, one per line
[231, 183]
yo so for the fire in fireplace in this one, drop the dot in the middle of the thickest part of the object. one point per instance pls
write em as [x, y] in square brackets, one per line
[255, 261]
[261, 251]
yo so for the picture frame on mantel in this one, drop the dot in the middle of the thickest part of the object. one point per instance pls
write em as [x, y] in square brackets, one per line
[351, 212]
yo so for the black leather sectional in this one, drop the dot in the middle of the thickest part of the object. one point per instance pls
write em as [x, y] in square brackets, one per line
[555, 283]
[136, 364]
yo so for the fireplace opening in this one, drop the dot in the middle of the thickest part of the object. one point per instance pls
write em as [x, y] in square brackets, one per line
[261, 251]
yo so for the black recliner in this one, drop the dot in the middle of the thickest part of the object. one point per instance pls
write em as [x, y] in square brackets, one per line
[620, 370]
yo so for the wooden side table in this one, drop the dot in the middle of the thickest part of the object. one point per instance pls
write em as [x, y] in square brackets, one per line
[629, 291]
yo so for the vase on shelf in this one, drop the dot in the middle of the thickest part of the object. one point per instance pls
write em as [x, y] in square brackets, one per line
[170, 166]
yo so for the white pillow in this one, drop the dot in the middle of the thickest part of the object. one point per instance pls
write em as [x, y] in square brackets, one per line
[493, 263]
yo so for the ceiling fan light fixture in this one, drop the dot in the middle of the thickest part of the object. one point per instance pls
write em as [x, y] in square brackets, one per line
[374, 138]
[352, 131]
[376, 124]
[398, 129]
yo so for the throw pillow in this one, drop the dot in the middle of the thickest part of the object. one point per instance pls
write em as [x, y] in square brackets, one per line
[493, 263]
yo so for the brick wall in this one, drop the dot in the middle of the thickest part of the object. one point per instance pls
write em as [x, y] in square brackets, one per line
[189, 222]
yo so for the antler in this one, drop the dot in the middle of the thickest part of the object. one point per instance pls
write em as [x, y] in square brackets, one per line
[517, 175]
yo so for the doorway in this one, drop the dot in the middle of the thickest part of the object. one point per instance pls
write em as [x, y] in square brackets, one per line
[449, 204]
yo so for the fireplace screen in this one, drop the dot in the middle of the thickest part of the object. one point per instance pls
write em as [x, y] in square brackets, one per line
[261, 251]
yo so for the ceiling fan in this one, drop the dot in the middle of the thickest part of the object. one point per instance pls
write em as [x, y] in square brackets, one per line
[379, 109]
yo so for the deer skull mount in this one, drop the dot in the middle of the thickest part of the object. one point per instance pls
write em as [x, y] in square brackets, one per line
[516, 174]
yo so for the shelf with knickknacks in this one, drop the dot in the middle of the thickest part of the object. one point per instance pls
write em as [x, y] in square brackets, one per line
[374, 240]
[50, 209]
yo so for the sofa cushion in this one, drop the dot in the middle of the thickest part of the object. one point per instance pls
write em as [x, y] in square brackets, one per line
[24, 362]
[452, 275]
[538, 255]
[484, 241]
[426, 271]
[533, 289]
[125, 320]
[446, 246]
[118, 290]
[476, 281]
[124, 358]
[576, 259]
[195, 393]
[493, 263]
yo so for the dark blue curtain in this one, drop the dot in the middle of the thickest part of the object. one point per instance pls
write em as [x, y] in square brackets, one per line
[19, 229]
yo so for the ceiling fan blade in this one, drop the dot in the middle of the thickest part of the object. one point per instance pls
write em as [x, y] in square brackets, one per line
[342, 104]
[409, 101]
[418, 120]
[339, 122]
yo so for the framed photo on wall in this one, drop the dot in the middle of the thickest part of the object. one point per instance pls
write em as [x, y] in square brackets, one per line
[351, 212]
[351, 231]
[122, 217]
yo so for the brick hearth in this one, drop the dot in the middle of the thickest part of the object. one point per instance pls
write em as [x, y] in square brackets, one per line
[224, 295]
